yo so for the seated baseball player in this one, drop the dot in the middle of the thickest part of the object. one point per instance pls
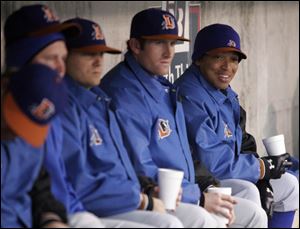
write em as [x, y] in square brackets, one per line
[212, 114]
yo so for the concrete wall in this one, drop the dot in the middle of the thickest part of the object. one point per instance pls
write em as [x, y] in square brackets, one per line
[267, 82]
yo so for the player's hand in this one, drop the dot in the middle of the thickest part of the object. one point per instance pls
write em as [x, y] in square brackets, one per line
[266, 196]
[179, 197]
[216, 202]
[231, 217]
[275, 166]
[158, 205]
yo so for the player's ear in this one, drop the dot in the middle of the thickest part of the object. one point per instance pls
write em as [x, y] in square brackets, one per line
[134, 45]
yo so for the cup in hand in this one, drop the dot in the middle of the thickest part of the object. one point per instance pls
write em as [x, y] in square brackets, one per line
[275, 145]
[169, 182]
[223, 190]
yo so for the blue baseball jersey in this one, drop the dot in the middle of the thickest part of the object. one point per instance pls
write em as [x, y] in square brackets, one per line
[60, 185]
[21, 161]
[212, 119]
[20, 166]
[96, 161]
[152, 123]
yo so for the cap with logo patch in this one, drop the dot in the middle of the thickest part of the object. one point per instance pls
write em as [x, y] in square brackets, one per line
[35, 95]
[217, 38]
[29, 30]
[155, 24]
[91, 38]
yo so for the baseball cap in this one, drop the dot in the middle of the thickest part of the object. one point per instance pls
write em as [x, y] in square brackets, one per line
[91, 38]
[155, 24]
[35, 95]
[217, 38]
[34, 21]
[30, 29]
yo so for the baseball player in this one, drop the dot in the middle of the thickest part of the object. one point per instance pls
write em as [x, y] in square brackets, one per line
[96, 161]
[28, 105]
[33, 35]
[212, 114]
[151, 116]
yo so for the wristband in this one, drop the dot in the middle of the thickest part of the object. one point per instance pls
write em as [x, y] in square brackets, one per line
[150, 203]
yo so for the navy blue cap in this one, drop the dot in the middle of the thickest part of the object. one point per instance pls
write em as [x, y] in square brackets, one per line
[22, 52]
[36, 94]
[217, 38]
[29, 30]
[155, 24]
[32, 21]
[91, 38]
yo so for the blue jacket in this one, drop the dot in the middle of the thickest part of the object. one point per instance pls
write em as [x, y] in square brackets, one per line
[60, 185]
[96, 161]
[152, 123]
[212, 119]
[20, 166]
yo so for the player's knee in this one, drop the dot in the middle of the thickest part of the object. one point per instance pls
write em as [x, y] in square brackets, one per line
[249, 191]
[208, 221]
[252, 193]
[259, 217]
[292, 184]
[172, 221]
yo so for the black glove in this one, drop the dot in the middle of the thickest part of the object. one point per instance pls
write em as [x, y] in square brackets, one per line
[266, 196]
[275, 166]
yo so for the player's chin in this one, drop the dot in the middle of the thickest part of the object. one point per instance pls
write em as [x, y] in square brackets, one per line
[221, 86]
[162, 71]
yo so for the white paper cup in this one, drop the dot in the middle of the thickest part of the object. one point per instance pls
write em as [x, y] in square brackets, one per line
[224, 190]
[169, 182]
[275, 145]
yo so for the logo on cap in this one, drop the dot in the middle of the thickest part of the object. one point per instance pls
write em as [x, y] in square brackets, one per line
[49, 14]
[97, 33]
[231, 43]
[43, 111]
[168, 22]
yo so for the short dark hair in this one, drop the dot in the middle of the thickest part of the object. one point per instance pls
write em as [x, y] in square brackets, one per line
[140, 40]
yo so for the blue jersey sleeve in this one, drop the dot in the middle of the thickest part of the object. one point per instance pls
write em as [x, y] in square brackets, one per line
[219, 157]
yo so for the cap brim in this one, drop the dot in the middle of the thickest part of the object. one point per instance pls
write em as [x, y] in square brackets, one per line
[21, 125]
[69, 29]
[227, 49]
[97, 48]
[165, 37]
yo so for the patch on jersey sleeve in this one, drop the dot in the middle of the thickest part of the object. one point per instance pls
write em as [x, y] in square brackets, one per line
[164, 129]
